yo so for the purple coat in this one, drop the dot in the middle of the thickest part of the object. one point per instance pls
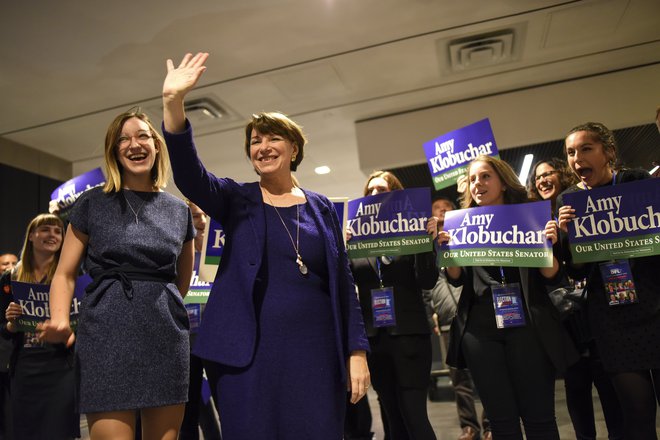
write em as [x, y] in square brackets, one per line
[228, 331]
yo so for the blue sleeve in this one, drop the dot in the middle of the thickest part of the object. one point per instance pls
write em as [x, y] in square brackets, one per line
[191, 177]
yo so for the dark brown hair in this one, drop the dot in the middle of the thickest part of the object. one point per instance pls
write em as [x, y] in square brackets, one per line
[280, 124]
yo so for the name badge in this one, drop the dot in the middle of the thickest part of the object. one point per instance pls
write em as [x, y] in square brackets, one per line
[507, 302]
[618, 282]
[194, 316]
[382, 306]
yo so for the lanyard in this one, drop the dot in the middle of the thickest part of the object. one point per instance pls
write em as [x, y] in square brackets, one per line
[502, 274]
[379, 261]
[380, 275]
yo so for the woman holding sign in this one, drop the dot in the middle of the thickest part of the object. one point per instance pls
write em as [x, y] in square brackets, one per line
[42, 375]
[132, 345]
[626, 327]
[400, 357]
[282, 334]
[513, 361]
[547, 180]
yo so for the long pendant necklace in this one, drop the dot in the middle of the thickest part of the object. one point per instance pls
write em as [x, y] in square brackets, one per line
[296, 246]
[135, 213]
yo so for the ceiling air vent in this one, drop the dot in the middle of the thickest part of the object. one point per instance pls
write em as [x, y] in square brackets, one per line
[203, 111]
[482, 50]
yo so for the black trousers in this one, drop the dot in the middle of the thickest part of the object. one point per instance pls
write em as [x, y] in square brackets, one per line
[639, 394]
[578, 381]
[515, 381]
[464, 392]
[400, 368]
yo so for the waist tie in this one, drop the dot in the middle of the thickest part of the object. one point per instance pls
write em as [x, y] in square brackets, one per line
[126, 274]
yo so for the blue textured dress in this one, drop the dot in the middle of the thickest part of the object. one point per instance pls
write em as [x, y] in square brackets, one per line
[132, 350]
[293, 388]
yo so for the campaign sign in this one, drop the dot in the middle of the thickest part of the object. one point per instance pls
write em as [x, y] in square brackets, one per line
[199, 290]
[449, 154]
[341, 206]
[33, 299]
[501, 235]
[214, 242]
[615, 222]
[65, 195]
[391, 223]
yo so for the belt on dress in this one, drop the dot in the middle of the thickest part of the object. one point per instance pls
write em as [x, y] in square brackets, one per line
[126, 274]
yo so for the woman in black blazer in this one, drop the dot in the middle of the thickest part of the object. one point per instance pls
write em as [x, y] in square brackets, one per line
[400, 358]
[513, 368]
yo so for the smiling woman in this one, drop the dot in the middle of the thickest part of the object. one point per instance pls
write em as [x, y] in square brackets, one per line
[282, 334]
[625, 336]
[42, 376]
[137, 244]
[513, 362]
[548, 179]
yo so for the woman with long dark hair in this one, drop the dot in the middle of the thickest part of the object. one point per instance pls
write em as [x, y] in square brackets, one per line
[626, 335]
[547, 180]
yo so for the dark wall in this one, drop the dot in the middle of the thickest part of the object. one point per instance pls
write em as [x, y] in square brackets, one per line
[23, 195]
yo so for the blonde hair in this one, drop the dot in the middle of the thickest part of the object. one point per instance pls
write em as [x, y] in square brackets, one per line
[25, 270]
[160, 173]
[514, 192]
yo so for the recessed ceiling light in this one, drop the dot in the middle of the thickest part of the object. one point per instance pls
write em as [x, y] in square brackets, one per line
[322, 170]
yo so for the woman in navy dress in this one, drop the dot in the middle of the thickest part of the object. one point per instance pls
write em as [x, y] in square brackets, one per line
[282, 333]
[132, 344]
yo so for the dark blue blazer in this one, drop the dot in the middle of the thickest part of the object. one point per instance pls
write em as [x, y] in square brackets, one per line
[229, 328]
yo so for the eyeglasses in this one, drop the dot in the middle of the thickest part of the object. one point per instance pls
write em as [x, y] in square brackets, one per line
[545, 175]
[141, 138]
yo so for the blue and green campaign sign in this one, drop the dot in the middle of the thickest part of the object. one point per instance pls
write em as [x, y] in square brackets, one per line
[65, 195]
[34, 301]
[198, 295]
[199, 290]
[615, 222]
[214, 242]
[391, 223]
[501, 235]
[449, 154]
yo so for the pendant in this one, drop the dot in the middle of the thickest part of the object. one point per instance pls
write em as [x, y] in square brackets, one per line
[301, 266]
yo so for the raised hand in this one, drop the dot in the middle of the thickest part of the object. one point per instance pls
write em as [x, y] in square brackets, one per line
[181, 79]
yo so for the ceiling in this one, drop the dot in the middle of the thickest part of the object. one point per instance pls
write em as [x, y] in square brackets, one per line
[370, 80]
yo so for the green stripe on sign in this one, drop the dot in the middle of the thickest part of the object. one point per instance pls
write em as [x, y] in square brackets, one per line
[211, 260]
[194, 297]
[619, 248]
[413, 244]
[496, 257]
